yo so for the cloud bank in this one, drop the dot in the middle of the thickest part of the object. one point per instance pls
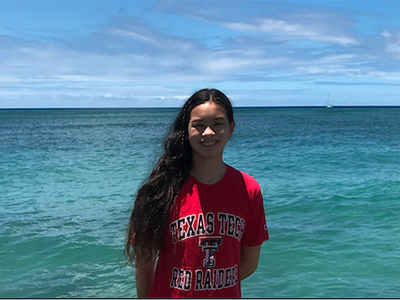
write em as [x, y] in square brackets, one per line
[259, 53]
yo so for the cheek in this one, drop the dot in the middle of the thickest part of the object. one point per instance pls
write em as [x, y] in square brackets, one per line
[224, 131]
[192, 135]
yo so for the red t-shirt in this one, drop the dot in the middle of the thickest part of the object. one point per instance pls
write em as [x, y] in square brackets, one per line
[206, 229]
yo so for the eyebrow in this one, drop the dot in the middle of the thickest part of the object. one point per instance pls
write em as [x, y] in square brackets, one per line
[215, 119]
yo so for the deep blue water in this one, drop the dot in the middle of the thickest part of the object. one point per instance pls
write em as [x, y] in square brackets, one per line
[330, 180]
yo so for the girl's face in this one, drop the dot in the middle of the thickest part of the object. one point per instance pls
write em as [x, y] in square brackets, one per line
[209, 130]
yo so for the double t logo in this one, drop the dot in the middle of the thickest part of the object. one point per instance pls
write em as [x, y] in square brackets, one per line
[209, 245]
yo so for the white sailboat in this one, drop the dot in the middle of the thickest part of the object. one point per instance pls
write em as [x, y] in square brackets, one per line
[328, 103]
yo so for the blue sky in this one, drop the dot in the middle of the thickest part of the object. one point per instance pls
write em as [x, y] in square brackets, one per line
[157, 53]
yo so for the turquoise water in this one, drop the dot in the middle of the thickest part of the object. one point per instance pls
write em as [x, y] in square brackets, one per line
[330, 179]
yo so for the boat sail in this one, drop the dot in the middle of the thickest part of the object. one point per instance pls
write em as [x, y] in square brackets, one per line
[328, 103]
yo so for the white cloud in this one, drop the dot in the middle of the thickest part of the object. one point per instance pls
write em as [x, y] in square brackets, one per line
[279, 20]
[387, 76]
[392, 43]
[394, 48]
[122, 32]
[291, 30]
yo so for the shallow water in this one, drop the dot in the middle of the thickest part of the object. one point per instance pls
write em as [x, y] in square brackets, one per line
[330, 180]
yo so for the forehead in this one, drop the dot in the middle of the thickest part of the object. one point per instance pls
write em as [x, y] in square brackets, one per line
[208, 110]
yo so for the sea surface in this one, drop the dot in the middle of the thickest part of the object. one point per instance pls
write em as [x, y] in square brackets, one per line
[330, 180]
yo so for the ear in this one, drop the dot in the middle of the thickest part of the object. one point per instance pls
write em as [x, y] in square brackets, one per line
[231, 128]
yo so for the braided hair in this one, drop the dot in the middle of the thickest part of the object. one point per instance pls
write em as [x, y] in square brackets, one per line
[156, 196]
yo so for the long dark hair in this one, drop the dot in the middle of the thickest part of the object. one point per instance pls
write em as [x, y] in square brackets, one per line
[156, 196]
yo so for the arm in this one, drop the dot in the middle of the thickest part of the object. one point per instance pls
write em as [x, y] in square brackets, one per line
[249, 257]
[144, 274]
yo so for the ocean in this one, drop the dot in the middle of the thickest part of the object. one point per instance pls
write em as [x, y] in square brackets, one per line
[330, 180]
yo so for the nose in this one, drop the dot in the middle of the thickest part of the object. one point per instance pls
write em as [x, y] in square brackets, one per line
[208, 131]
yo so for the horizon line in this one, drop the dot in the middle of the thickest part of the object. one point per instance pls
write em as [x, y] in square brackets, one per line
[178, 107]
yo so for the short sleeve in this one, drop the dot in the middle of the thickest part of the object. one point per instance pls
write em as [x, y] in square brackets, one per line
[256, 230]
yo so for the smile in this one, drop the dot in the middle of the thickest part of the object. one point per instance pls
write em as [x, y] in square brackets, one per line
[208, 143]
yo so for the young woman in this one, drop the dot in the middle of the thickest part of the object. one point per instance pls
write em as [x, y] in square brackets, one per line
[202, 220]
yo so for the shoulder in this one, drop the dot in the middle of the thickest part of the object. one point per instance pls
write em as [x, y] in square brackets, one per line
[251, 184]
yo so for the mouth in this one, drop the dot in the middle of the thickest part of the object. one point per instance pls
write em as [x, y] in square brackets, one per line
[208, 143]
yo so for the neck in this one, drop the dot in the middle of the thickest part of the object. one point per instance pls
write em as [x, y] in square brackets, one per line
[208, 170]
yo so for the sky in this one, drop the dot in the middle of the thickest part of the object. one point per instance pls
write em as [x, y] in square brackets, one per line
[66, 54]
